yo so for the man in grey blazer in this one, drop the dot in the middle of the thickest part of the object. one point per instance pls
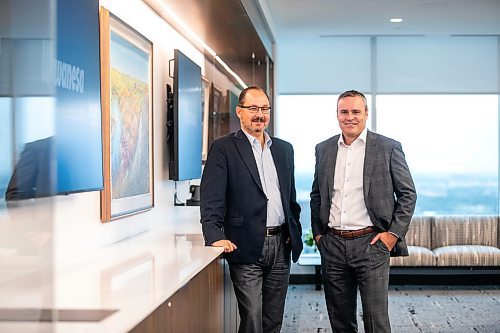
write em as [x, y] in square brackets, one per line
[362, 201]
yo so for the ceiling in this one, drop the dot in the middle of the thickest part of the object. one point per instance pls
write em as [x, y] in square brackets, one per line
[226, 28]
[328, 18]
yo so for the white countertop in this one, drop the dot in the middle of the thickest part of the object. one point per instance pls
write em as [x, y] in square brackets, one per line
[133, 276]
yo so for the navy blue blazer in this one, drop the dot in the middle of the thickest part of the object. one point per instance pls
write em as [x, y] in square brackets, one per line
[233, 203]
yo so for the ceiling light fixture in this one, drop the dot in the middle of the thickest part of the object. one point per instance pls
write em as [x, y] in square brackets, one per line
[230, 71]
[200, 42]
[396, 20]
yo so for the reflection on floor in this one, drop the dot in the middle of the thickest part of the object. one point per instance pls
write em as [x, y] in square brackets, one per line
[412, 308]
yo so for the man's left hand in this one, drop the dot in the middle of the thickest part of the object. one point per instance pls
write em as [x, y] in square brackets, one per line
[387, 238]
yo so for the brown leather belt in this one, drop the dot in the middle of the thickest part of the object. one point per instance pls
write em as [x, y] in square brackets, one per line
[352, 233]
[273, 231]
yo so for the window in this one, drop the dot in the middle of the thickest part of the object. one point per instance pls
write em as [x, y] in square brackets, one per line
[451, 146]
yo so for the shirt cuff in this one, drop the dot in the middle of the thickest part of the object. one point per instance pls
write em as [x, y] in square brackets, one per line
[394, 234]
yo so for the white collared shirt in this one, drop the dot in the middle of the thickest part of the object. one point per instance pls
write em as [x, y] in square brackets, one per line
[348, 209]
[268, 178]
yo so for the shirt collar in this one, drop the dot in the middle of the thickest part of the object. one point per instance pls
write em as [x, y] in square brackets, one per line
[252, 139]
[361, 138]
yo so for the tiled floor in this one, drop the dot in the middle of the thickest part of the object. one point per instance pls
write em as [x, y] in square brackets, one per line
[457, 309]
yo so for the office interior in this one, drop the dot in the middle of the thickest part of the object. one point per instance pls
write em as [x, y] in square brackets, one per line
[79, 259]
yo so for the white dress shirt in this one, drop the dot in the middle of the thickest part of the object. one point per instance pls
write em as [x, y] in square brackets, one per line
[348, 209]
[268, 178]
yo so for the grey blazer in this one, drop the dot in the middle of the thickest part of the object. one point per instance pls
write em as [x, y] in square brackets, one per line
[389, 192]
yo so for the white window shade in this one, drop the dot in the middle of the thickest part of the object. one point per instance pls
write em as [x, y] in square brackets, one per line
[437, 65]
[323, 65]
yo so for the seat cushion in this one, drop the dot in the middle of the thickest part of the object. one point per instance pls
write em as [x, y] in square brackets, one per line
[467, 255]
[418, 256]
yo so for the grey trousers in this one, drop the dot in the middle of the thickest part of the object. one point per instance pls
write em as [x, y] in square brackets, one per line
[347, 264]
[261, 288]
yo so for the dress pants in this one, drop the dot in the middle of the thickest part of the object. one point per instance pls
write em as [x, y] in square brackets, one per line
[347, 264]
[261, 287]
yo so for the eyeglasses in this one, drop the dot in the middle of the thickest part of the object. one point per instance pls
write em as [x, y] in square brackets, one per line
[255, 109]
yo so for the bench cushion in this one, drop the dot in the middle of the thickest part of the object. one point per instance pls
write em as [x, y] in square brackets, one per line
[467, 255]
[418, 256]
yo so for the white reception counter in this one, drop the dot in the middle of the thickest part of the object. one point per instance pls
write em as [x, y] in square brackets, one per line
[108, 290]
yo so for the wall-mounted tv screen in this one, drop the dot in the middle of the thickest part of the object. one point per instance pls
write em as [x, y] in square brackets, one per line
[52, 142]
[77, 78]
[185, 132]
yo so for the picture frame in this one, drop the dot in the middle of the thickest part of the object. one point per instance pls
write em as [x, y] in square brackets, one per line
[218, 119]
[127, 119]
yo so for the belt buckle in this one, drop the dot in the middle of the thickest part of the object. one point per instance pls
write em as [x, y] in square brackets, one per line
[267, 232]
[344, 232]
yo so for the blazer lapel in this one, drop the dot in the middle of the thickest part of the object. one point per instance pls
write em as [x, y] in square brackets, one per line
[246, 153]
[331, 158]
[370, 158]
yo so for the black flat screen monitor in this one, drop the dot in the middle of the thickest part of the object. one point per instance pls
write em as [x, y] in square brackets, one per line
[185, 142]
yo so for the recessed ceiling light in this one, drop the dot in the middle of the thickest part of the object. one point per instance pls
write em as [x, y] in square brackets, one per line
[396, 20]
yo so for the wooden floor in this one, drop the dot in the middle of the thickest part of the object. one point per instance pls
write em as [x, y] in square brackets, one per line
[412, 308]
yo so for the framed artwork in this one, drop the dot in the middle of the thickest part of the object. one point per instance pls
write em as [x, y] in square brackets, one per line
[232, 103]
[219, 121]
[127, 115]
[205, 98]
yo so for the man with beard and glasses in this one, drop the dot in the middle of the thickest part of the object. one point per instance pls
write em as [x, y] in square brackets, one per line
[362, 201]
[248, 207]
